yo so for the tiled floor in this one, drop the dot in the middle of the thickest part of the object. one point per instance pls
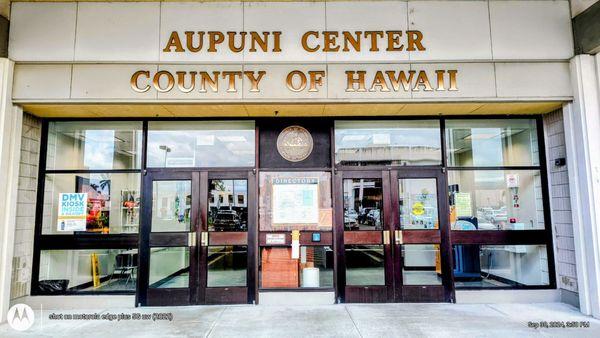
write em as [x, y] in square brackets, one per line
[369, 320]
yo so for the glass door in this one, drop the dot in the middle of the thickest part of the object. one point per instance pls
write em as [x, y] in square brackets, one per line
[169, 238]
[227, 229]
[395, 236]
[195, 244]
[365, 262]
[420, 236]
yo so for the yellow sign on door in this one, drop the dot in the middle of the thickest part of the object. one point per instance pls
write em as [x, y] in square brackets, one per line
[418, 208]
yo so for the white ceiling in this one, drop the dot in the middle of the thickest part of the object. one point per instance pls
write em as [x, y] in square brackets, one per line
[316, 109]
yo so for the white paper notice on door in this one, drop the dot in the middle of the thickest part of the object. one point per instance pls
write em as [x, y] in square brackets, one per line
[295, 201]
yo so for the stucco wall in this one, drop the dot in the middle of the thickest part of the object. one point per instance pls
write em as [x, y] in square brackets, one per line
[90, 51]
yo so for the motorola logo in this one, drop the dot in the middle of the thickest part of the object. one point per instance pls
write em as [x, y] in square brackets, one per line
[20, 317]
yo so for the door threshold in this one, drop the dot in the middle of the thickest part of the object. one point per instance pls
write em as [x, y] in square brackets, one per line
[296, 298]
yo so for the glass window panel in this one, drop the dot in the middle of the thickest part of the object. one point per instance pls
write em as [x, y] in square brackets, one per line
[201, 144]
[113, 202]
[388, 142]
[489, 142]
[87, 270]
[365, 265]
[94, 145]
[314, 268]
[227, 266]
[363, 204]
[171, 206]
[490, 266]
[228, 214]
[496, 200]
[421, 264]
[169, 267]
[295, 201]
[418, 203]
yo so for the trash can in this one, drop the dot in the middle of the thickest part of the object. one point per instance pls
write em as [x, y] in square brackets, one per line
[310, 278]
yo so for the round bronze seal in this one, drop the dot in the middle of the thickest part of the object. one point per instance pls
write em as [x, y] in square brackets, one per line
[294, 143]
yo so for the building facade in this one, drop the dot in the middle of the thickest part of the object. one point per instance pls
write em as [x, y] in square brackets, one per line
[179, 153]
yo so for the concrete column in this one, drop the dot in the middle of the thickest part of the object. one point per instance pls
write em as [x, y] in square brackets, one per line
[10, 144]
[582, 138]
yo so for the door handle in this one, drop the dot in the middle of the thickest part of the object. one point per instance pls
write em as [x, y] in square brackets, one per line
[204, 238]
[398, 237]
[191, 238]
[386, 237]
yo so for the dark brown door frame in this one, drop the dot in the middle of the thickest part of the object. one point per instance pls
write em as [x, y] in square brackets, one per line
[440, 236]
[197, 292]
[233, 294]
[394, 290]
[168, 296]
[370, 293]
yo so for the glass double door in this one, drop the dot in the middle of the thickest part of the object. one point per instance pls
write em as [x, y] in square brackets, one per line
[395, 236]
[195, 246]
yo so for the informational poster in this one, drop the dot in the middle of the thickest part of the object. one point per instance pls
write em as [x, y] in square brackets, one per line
[462, 202]
[72, 211]
[512, 180]
[295, 201]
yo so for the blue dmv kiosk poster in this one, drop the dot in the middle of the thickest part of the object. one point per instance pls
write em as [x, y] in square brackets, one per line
[72, 211]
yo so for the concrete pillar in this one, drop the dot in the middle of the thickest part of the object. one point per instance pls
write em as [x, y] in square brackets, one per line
[10, 144]
[582, 138]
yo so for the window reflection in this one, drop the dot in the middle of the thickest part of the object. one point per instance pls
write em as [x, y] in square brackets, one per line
[418, 203]
[169, 267]
[421, 264]
[63, 271]
[491, 142]
[98, 152]
[363, 204]
[227, 266]
[171, 205]
[496, 200]
[365, 265]
[313, 269]
[112, 202]
[485, 266]
[387, 143]
[201, 144]
[227, 213]
[94, 145]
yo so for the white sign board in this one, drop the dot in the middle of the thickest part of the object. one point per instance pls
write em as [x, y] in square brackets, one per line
[512, 180]
[462, 201]
[72, 211]
[275, 239]
[296, 201]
